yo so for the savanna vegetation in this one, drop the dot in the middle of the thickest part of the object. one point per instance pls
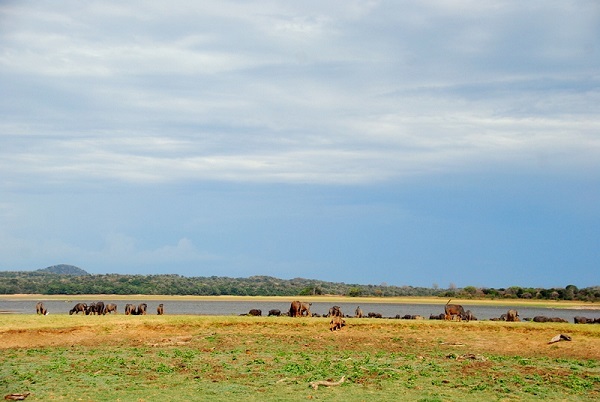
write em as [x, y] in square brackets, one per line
[69, 280]
[156, 358]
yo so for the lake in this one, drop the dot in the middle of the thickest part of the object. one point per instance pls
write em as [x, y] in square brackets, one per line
[242, 307]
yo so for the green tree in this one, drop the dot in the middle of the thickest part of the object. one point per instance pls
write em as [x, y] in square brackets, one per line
[570, 292]
[471, 290]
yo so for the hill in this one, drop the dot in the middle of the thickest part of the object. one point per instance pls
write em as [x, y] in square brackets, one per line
[64, 269]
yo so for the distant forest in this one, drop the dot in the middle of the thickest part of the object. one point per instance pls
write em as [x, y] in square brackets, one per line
[69, 280]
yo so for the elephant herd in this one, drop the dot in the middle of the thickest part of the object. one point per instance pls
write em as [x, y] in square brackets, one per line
[452, 312]
[99, 308]
[96, 308]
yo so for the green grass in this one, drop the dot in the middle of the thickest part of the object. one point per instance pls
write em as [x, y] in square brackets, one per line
[199, 372]
[229, 358]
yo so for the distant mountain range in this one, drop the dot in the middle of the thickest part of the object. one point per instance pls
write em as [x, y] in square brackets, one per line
[64, 269]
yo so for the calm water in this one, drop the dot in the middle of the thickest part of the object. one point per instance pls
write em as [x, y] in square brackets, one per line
[242, 307]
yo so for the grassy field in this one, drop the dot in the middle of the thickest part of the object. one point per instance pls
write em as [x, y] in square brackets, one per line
[157, 358]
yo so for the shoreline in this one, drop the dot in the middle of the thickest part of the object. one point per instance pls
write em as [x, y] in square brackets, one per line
[562, 304]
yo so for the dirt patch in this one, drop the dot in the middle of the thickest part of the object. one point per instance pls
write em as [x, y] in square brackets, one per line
[78, 335]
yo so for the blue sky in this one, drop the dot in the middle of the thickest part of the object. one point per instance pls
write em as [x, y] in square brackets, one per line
[407, 143]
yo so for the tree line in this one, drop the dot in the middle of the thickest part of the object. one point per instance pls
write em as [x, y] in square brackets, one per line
[40, 282]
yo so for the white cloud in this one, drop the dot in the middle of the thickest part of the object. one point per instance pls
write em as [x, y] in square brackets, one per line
[342, 92]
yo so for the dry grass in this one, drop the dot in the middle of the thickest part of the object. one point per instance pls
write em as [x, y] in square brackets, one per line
[149, 358]
[523, 338]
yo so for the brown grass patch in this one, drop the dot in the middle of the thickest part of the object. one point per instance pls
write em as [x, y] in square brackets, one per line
[516, 339]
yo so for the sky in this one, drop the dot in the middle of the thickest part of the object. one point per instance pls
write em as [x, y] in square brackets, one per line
[430, 143]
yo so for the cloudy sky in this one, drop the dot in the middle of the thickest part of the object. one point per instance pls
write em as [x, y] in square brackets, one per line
[409, 143]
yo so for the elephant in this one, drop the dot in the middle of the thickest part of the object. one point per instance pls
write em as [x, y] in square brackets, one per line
[141, 310]
[78, 308]
[512, 316]
[454, 310]
[41, 309]
[110, 308]
[305, 309]
[299, 309]
[129, 309]
[295, 309]
[335, 311]
[100, 308]
[469, 316]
